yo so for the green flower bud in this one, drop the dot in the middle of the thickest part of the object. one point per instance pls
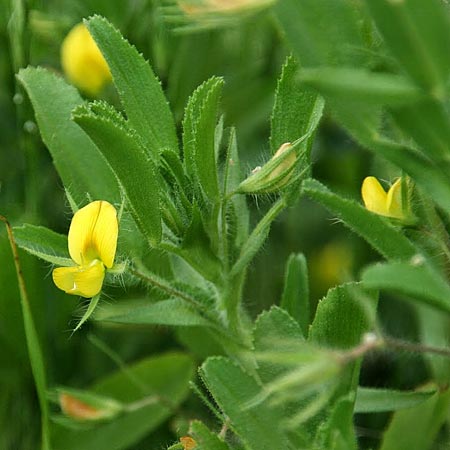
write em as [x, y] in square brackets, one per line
[274, 175]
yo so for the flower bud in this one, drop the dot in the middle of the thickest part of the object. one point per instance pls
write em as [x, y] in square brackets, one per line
[188, 443]
[84, 406]
[82, 61]
[274, 175]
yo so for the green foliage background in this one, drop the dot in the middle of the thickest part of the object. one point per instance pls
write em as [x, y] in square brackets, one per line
[382, 68]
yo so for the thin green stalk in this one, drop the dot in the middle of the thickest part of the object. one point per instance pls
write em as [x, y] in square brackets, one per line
[33, 346]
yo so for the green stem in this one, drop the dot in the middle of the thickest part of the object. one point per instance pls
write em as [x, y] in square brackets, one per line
[32, 339]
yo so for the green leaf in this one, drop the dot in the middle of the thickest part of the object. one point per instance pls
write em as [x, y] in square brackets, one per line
[361, 85]
[43, 243]
[376, 230]
[416, 428]
[165, 376]
[343, 316]
[257, 238]
[206, 439]
[231, 387]
[199, 126]
[418, 281]
[80, 165]
[89, 311]
[295, 297]
[370, 400]
[427, 122]
[418, 35]
[142, 312]
[275, 330]
[322, 32]
[296, 111]
[134, 169]
[140, 91]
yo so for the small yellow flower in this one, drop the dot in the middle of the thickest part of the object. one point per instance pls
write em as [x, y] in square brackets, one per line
[83, 62]
[92, 246]
[377, 200]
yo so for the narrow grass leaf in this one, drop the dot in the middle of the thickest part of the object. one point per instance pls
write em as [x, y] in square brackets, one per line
[206, 439]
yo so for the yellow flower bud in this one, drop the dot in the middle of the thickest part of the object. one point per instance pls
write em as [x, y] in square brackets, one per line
[274, 175]
[83, 62]
[88, 407]
[389, 204]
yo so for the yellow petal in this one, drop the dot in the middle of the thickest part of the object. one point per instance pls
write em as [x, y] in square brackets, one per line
[93, 234]
[374, 196]
[83, 62]
[85, 281]
[394, 200]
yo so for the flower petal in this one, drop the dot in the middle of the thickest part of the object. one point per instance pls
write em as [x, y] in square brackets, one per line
[85, 281]
[374, 196]
[93, 234]
[394, 200]
[83, 62]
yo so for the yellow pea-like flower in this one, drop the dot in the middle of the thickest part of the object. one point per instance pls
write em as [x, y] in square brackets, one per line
[82, 61]
[92, 246]
[377, 200]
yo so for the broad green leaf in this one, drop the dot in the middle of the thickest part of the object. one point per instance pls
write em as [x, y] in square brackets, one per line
[80, 165]
[370, 400]
[376, 230]
[140, 91]
[165, 376]
[416, 428]
[427, 122]
[43, 243]
[322, 32]
[142, 312]
[231, 388]
[134, 169]
[206, 439]
[199, 126]
[418, 281]
[297, 110]
[343, 316]
[418, 35]
[361, 85]
[295, 297]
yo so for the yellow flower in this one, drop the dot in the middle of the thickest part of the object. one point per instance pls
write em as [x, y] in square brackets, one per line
[377, 200]
[92, 246]
[83, 62]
